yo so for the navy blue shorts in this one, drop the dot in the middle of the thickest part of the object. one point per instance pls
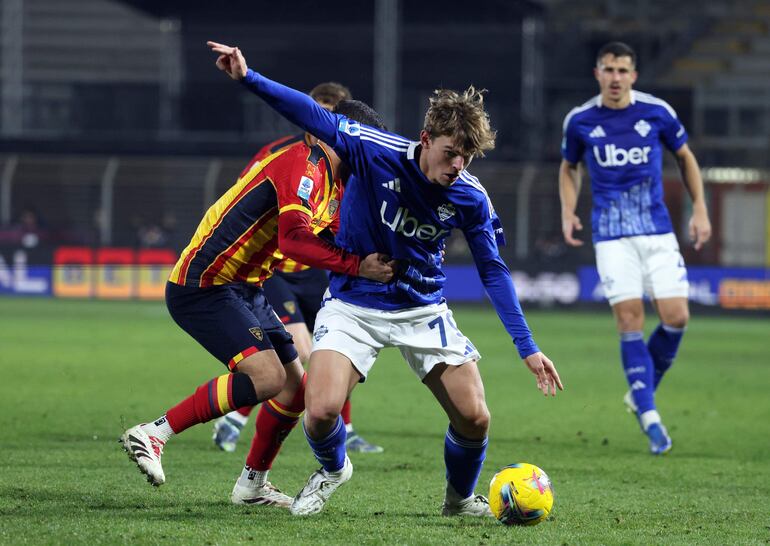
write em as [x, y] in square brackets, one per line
[296, 297]
[231, 321]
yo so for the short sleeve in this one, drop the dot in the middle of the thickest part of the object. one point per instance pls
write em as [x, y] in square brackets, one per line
[572, 147]
[672, 132]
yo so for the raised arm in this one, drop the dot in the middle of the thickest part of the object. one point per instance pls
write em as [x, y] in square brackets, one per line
[700, 225]
[569, 190]
[295, 106]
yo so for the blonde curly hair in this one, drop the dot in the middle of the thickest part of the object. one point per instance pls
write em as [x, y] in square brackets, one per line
[461, 117]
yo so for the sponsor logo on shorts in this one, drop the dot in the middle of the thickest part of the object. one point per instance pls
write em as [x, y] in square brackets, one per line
[607, 282]
[320, 332]
[257, 333]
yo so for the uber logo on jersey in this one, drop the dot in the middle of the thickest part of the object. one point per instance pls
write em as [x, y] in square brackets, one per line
[618, 157]
[409, 226]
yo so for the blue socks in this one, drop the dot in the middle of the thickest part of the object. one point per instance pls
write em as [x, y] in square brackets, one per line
[330, 451]
[663, 345]
[463, 458]
[639, 369]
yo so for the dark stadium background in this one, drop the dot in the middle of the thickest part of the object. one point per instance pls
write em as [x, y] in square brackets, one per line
[118, 131]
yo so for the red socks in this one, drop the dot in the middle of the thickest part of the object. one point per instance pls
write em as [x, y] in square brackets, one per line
[274, 422]
[219, 396]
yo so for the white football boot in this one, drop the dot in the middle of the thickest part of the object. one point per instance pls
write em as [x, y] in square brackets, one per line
[145, 451]
[475, 505]
[311, 499]
[252, 487]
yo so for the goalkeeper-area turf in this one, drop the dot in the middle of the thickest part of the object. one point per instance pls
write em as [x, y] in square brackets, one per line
[74, 374]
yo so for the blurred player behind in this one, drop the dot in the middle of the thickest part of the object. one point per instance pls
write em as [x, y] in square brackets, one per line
[618, 135]
[295, 292]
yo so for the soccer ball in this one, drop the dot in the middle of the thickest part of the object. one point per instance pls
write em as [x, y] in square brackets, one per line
[521, 494]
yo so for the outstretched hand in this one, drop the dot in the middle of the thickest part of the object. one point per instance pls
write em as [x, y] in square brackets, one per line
[230, 61]
[547, 376]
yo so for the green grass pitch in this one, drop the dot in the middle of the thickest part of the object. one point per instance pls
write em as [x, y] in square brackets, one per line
[74, 374]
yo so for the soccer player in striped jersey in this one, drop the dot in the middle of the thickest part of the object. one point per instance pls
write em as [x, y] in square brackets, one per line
[619, 136]
[295, 292]
[214, 292]
[404, 197]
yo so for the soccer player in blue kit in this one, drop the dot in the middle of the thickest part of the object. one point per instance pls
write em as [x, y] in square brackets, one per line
[618, 135]
[404, 198]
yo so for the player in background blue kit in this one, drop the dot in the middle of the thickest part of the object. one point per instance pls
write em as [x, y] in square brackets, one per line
[404, 198]
[618, 136]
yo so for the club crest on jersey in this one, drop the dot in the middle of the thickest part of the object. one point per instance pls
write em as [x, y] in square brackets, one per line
[257, 333]
[350, 127]
[290, 306]
[642, 127]
[305, 187]
[446, 211]
[333, 206]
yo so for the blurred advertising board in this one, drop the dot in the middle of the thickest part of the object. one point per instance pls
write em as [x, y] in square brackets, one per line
[726, 287]
[125, 273]
[85, 272]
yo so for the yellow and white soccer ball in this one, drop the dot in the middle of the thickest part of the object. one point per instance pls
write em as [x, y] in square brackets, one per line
[521, 494]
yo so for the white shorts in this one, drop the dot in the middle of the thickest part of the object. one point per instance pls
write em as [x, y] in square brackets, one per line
[425, 335]
[630, 267]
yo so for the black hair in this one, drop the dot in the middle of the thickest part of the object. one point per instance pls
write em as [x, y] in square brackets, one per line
[360, 112]
[617, 49]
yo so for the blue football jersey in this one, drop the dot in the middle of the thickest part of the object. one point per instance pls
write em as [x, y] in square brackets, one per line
[389, 206]
[622, 150]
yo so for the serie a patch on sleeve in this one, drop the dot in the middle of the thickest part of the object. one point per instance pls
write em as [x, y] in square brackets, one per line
[350, 127]
[305, 187]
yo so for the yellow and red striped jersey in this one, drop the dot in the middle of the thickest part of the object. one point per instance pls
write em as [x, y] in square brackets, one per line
[287, 265]
[237, 239]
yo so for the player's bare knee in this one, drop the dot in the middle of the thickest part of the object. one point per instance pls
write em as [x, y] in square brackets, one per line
[474, 424]
[322, 412]
[268, 380]
[677, 319]
[629, 320]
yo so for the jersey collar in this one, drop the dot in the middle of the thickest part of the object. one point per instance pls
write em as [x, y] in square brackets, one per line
[599, 99]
